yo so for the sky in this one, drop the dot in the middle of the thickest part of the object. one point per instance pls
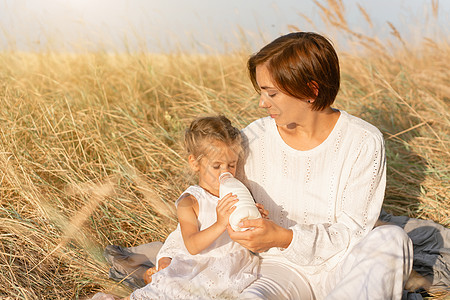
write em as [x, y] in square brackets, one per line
[197, 25]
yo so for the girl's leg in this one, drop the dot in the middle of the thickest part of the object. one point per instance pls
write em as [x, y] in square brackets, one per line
[278, 281]
[376, 268]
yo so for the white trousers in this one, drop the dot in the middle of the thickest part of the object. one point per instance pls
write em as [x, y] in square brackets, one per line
[376, 268]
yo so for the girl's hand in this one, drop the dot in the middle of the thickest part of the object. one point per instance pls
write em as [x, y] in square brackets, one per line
[225, 208]
[164, 262]
[264, 212]
[263, 235]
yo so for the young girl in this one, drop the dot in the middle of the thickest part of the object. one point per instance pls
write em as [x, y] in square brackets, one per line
[210, 265]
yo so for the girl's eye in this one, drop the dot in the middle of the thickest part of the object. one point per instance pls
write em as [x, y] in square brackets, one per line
[232, 166]
[272, 95]
[216, 167]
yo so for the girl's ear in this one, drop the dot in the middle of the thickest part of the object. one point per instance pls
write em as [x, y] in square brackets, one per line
[193, 162]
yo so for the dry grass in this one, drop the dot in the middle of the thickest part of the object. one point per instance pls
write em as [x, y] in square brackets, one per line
[90, 150]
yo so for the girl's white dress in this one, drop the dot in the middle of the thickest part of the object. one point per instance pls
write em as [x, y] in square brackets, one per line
[221, 271]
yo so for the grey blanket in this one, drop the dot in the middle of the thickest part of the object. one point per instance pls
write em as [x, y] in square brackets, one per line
[431, 243]
[431, 256]
[128, 265]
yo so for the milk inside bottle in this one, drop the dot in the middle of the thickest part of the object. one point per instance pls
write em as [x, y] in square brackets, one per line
[245, 207]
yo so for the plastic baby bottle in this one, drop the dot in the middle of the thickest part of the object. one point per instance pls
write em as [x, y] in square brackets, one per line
[245, 207]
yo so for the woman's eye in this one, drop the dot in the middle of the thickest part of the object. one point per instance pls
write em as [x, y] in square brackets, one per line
[216, 167]
[272, 95]
[232, 166]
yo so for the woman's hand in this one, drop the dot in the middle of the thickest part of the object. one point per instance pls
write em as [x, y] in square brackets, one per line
[164, 262]
[263, 235]
[225, 208]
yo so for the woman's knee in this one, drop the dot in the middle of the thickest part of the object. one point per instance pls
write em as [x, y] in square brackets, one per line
[391, 234]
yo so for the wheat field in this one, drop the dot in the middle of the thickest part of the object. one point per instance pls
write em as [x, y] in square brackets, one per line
[91, 154]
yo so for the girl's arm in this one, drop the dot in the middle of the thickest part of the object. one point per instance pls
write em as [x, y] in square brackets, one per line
[194, 239]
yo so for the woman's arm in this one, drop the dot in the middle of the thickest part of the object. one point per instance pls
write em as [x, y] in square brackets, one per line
[357, 208]
[194, 239]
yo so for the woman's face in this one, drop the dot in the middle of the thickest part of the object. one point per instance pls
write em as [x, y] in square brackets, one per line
[283, 108]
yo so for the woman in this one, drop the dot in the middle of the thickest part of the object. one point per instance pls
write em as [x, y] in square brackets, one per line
[321, 174]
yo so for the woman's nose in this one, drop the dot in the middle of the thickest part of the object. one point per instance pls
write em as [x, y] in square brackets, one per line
[263, 101]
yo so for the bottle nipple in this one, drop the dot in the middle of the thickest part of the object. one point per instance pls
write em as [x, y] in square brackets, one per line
[224, 176]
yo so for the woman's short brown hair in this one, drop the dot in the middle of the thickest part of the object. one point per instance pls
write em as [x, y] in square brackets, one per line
[297, 62]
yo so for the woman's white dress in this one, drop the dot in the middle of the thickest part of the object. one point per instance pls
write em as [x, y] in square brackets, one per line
[330, 197]
[221, 271]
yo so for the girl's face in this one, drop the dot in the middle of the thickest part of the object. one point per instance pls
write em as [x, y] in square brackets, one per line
[219, 159]
[283, 108]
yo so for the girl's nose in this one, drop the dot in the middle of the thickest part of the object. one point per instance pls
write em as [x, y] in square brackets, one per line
[225, 170]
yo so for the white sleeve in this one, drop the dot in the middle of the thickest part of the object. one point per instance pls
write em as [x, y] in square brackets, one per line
[357, 209]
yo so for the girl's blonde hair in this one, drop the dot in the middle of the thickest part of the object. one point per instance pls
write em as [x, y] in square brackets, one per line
[205, 130]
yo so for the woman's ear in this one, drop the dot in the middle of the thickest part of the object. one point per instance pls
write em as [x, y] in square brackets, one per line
[314, 87]
[193, 162]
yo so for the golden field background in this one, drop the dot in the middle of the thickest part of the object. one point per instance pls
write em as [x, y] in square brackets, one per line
[91, 154]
